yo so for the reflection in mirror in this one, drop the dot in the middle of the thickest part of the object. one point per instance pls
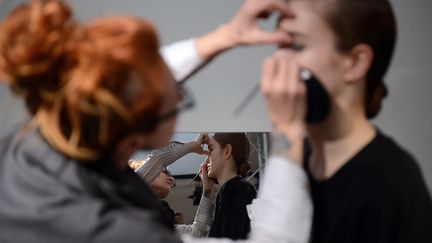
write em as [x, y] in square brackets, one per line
[184, 197]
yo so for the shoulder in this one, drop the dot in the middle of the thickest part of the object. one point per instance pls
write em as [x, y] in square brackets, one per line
[391, 170]
[386, 154]
[238, 186]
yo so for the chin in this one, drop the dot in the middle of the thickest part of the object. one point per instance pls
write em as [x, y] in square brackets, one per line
[163, 195]
[211, 175]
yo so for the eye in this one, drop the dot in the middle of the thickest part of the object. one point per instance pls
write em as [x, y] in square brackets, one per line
[296, 46]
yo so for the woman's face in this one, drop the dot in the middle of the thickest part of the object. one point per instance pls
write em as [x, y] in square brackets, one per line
[162, 185]
[216, 157]
[314, 44]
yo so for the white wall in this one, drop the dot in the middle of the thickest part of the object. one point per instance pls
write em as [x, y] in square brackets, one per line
[407, 114]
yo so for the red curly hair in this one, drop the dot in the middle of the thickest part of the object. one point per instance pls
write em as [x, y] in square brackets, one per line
[85, 85]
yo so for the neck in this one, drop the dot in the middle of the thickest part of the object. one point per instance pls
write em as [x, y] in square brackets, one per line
[229, 172]
[335, 141]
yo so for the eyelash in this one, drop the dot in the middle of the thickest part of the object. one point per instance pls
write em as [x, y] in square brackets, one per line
[296, 46]
[293, 46]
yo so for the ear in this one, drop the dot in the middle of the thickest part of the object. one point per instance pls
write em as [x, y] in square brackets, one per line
[228, 151]
[359, 62]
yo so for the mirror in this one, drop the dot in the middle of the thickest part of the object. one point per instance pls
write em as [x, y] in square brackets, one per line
[186, 194]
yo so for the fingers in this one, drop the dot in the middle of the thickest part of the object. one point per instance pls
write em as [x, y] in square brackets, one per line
[202, 138]
[296, 89]
[245, 26]
[204, 169]
[196, 146]
[267, 75]
[287, 81]
[283, 89]
[266, 37]
[262, 8]
[204, 166]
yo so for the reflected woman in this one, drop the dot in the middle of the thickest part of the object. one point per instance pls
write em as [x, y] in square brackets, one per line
[228, 164]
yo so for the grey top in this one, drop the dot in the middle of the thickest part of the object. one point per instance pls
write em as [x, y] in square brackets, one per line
[47, 197]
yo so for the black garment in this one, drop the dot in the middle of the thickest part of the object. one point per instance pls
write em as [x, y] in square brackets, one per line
[231, 219]
[47, 197]
[378, 196]
[168, 214]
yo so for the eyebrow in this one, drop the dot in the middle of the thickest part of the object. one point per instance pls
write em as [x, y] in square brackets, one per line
[293, 34]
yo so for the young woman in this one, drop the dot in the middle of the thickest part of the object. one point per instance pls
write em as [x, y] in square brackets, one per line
[228, 164]
[365, 187]
[97, 93]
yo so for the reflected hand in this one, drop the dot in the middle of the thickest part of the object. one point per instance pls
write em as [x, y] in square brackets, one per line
[196, 146]
[208, 183]
[178, 218]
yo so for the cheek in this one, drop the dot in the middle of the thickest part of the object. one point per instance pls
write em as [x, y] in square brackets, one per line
[214, 162]
[327, 65]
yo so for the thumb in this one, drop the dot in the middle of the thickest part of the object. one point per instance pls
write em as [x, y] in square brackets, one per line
[204, 152]
[276, 37]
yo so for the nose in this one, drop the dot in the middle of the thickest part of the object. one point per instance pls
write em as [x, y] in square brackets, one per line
[172, 181]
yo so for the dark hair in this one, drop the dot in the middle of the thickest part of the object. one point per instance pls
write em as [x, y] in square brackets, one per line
[86, 85]
[240, 149]
[371, 22]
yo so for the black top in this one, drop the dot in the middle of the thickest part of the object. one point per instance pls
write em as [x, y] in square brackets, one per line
[48, 197]
[168, 213]
[377, 196]
[231, 219]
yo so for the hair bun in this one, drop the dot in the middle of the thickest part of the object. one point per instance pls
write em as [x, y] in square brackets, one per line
[32, 41]
[244, 168]
[373, 102]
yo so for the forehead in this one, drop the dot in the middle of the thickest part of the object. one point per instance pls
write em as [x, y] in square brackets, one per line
[308, 19]
[212, 141]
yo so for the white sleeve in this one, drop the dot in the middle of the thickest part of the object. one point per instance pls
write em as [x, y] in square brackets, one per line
[202, 222]
[284, 210]
[182, 58]
[160, 158]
